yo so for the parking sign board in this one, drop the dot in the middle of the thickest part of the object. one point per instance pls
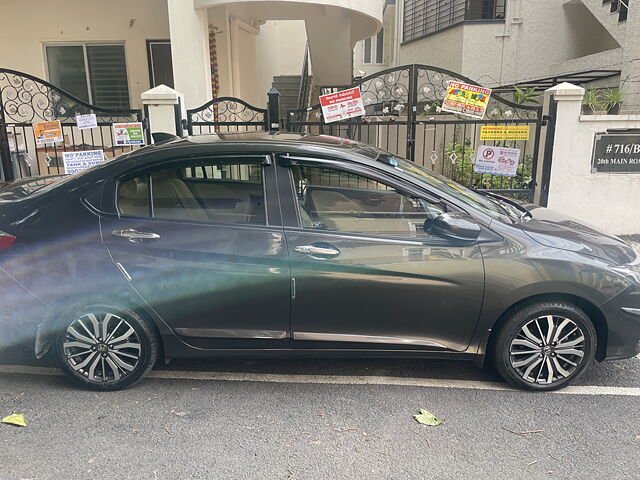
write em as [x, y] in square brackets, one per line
[342, 105]
[497, 160]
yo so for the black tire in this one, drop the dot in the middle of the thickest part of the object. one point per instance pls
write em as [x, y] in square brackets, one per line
[508, 358]
[107, 374]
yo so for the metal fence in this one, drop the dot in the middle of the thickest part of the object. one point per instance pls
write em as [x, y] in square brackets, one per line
[25, 100]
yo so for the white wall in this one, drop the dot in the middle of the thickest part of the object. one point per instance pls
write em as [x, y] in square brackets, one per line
[608, 201]
[27, 25]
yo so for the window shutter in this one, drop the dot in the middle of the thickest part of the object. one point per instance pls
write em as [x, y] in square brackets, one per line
[108, 74]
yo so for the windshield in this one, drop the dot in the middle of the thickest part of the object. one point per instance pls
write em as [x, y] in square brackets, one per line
[485, 204]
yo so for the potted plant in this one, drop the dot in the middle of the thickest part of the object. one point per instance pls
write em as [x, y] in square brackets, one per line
[523, 96]
[612, 98]
[592, 101]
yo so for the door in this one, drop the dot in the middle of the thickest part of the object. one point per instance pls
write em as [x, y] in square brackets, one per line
[366, 274]
[203, 245]
[160, 63]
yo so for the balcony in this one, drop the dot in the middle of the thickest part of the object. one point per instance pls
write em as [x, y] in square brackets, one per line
[427, 17]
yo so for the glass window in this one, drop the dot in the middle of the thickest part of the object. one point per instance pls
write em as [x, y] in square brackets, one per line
[333, 199]
[96, 74]
[380, 46]
[367, 50]
[373, 49]
[212, 192]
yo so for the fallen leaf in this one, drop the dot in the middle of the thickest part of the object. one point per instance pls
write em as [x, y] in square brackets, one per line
[637, 437]
[315, 442]
[16, 419]
[427, 418]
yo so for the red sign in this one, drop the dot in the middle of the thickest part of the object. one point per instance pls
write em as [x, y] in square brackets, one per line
[342, 105]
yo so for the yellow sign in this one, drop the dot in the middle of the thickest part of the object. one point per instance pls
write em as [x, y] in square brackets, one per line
[48, 132]
[466, 99]
[504, 132]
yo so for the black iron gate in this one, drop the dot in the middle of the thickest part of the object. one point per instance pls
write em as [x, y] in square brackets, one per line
[403, 116]
[25, 100]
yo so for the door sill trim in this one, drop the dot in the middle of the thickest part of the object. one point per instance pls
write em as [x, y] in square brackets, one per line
[232, 333]
[345, 337]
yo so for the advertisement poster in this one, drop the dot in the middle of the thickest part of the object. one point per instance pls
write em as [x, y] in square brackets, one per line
[342, 105]
[466, 99]
[86, 121]
[497, 160]
[48, 132]
[128, 133]
[504, 132]
[75, 162]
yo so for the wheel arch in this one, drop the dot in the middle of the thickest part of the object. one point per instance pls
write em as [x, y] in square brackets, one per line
[591, 310]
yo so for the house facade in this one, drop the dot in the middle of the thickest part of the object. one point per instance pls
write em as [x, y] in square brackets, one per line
[108, 53]
[498, 43]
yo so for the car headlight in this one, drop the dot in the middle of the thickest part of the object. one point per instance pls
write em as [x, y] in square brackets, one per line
[630, 271]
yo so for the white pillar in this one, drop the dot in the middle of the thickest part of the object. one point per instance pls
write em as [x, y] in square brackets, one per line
[189, 31]
[161, 104]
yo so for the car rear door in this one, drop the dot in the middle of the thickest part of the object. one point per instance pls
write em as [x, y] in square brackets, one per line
[366, 275]
[202, 243]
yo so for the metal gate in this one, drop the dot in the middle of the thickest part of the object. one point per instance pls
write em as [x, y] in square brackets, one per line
[25, 100]
[403, 116]
[225, 115]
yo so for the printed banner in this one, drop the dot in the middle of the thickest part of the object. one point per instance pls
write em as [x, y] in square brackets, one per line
[497, 160]
[504, 132]
[48, 132]
[80, 160]
[342, 105]
[86, 121]
[128, 133]
[466, 99]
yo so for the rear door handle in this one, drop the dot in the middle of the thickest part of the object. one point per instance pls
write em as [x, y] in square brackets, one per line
[318, 251]
[135, 236]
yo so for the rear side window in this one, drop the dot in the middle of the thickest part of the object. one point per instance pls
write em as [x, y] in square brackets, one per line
[219, 192]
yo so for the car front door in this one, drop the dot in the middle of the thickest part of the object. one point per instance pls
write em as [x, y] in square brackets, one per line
[366, 274]
[202, 243]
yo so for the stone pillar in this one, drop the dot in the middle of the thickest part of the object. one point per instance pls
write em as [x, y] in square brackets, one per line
[164, 108]
[189, 32]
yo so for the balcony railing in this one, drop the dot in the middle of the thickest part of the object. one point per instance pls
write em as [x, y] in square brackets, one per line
[424, 17]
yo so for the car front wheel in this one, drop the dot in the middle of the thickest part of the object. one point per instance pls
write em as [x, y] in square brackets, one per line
[105, 346]
[544, 345]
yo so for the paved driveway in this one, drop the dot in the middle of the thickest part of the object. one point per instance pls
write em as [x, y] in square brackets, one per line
[308, 419]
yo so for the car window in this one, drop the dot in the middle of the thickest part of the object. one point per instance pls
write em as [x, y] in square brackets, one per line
[220, 192]
[334, 199]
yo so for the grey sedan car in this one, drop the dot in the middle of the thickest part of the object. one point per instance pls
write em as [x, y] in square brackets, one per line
[290, 245]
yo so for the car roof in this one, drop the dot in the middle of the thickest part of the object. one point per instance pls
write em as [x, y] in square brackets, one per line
[276, 141]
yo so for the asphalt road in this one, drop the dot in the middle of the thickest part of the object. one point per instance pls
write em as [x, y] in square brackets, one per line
[287, 419]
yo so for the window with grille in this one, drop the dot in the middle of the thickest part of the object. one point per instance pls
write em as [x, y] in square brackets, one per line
[95, 73]
[424, 17]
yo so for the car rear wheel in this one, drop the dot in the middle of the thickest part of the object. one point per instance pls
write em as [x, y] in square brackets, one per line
[544, 345]
[105, 346]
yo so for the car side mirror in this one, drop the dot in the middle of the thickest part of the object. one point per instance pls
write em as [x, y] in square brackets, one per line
[456, 226]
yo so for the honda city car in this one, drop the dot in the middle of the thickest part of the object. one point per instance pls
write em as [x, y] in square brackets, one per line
[281, 245]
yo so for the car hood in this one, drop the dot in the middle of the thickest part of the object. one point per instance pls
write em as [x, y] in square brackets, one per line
[556, 230]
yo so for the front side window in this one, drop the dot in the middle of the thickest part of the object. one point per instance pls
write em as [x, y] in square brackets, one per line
[337, 200]
[94, 73]
[219, 192]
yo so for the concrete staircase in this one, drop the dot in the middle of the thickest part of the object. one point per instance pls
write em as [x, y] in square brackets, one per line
[611, 14]
[289, 88]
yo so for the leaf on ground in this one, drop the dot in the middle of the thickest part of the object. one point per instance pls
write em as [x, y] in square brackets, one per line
[427, 418]
[16, 419]
[637, 437]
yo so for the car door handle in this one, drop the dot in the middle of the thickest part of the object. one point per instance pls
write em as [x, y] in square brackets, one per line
[135, 236]
[317, 251]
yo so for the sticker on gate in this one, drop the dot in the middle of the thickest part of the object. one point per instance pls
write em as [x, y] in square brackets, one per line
[128, 133]
[466, 99]
[80, 160]
[497, 160]
[48, 132]
[342, 105]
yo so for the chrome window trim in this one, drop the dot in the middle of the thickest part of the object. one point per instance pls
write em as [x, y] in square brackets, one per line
[632, 311]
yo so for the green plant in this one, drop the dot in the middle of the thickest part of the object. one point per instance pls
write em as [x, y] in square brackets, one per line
[612, 97]
[523, 96]
[594, 99]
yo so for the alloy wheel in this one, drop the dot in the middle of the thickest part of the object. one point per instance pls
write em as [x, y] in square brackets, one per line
[102, 346]
[547, 349]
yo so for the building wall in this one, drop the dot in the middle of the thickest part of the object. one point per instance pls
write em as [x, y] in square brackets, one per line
[612, 198]
[28, 25]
